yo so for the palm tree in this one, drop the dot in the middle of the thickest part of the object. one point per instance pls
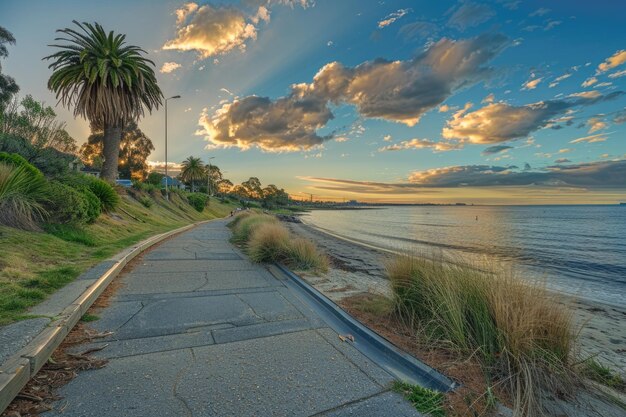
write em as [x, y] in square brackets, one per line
[107, 81]
[192, 171]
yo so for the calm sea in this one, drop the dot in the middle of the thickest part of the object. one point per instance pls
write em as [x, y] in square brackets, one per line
[576, 249]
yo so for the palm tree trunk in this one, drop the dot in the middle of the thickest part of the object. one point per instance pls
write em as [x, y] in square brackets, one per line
[111, 151]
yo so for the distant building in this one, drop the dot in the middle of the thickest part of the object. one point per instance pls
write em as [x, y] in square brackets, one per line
[90, 171]
[172, 182]
[352, 202]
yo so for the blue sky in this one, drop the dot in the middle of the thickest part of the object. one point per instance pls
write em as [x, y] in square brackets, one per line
[487, 102]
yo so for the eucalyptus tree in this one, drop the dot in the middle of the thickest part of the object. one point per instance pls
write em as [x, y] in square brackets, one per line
[8, 87]
[107, 81]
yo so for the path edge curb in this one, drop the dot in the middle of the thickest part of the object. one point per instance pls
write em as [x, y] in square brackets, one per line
[19, 368]
[385, 354]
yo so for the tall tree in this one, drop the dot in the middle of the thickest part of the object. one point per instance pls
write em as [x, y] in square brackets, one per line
[107, 81]
[135, 147]
[214, 175]
[37, 123]
[253, 187]
[8, 87]
[192, 170]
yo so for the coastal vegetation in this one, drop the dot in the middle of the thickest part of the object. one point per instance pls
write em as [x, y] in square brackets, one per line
[522, 335]
[265, 239]
[34, 264]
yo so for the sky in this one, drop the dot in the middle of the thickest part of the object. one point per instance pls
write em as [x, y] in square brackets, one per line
[490, 102]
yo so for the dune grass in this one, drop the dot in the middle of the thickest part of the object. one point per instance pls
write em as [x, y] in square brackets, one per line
[521, 335]
[265, 239]
[34, 264]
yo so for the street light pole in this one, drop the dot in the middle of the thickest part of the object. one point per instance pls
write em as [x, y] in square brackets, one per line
[167, 194]
[208, 182]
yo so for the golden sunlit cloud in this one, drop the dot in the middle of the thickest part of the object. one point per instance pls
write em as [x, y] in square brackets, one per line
[601, 137]
[391, 18]
[211, 30]
[422, 144]
[531, 84]
[615, 60]
[168, 67]
[501, 122]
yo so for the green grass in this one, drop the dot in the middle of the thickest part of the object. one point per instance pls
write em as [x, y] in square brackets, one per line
[598, 372]
[71, 233]
[34, 264]
[87, 318]
[424, 400]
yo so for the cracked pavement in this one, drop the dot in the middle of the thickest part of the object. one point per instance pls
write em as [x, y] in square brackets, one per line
[201, 331]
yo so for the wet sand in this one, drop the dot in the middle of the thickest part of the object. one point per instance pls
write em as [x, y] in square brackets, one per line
[357, 269]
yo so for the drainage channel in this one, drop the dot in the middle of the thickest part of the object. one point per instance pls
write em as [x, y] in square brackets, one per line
[401, 365]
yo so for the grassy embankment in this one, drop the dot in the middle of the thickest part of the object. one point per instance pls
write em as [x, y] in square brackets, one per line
[266, 240]
[518, 334]
[35, 264]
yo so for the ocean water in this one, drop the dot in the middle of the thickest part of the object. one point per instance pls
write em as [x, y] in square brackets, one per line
[576, 249]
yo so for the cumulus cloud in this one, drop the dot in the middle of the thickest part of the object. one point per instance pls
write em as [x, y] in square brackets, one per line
[620, 117]
[468, 15]
[168, 67]
[422, 144]
[501, 122]
[392, 17]
[400, 91]
[212, 30]
[496, 149]
[387, 138]
[600, 174]
[615, 60]
[489, 99]
[562, 161]
[284, 125]
[403, 91]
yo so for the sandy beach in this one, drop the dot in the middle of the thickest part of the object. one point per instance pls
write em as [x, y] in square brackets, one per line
[357, 269]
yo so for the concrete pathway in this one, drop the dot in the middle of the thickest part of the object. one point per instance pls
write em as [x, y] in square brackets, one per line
[201, 331]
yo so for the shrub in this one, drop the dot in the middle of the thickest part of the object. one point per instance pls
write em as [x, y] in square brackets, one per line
[521, 334]
[154, 178]
[106, 194]
[68, 205]
[197, 201]
[268, 243]
[22, 196]
[18, 161]
[109, 199]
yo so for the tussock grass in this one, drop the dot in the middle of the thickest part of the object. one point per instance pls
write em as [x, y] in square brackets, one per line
[269, 242]
[304, 255]
[522, 336]
[22, 195]
[266, 240]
